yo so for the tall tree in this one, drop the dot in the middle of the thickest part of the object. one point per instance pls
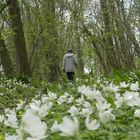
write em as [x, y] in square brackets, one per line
[52, 40]
[19, 40]
[77, 13]
[111, 59]
[127, 27]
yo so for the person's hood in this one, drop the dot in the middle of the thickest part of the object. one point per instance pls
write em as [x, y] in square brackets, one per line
[69, 55]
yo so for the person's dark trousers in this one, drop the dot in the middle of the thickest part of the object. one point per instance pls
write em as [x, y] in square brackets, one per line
[70, 76]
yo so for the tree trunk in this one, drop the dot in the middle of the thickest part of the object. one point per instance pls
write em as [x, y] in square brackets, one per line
[130, 33]
[77, 17]
[111, 58]
[19, 40]
[53, 56]
[97, 50]
[5, 59]
[119, 37]
[130, 39]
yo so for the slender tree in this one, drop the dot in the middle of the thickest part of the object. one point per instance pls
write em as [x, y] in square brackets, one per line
[52, 40]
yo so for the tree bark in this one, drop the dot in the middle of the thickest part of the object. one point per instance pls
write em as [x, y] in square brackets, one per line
[131, 45]
[129, 32]
[111, 58]
[5, 58]
[52, 52]
[77, 17]
[19, 40]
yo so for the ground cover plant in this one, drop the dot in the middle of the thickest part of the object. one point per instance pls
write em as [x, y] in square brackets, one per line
[91, 108]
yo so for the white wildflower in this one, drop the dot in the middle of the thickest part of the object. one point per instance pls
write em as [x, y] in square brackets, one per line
[137, 113]
[12, 137]
[102, 105]
[54, 127]
[87, 105]
[70, 0]
[52, 96]
[132, 98]
[73, 111]
[11, 118]
[97, 95]
[70, 99]
[32, 125]
[123, 85]
[66, 94]
[119, 100]
[45, 99]
[30, 138]
[86, 91]
[91, 125]
[20, 105]
[69, 127]
[43, 110]
[106, 116]
[61, 99]
[112, 87]
[1, 94]
[34, 107]
[134, 86]
[80, 101]
[86, 111]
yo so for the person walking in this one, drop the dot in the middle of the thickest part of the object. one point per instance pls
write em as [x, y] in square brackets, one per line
[69, 65]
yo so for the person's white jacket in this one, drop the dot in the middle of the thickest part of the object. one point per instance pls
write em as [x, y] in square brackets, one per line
[69, 62]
